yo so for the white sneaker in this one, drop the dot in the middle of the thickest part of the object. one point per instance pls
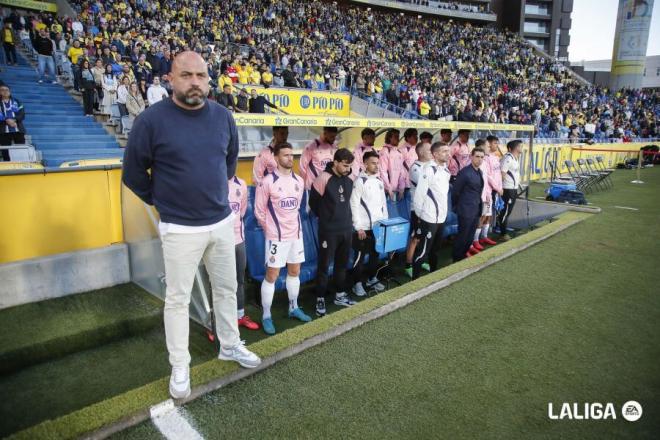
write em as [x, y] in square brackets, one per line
[180, 382]
[375, 284]
[343, 300]
[240, 354]
[358, 290]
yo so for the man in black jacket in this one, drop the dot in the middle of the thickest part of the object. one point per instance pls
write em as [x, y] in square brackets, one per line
[227, 99]
[154, 60]
[466, 195]
[330, 201]
[258, 103]
[45, 49]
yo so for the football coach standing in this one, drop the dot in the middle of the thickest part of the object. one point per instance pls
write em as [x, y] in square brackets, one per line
[191, 147]
[466, 195]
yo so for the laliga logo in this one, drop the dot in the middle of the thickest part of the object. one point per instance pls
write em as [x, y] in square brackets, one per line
[289, 203]
[631, 411]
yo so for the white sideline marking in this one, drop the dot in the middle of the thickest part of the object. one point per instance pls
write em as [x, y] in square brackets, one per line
[626, 207]
[172, 422]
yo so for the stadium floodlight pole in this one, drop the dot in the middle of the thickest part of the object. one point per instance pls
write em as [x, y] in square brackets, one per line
[639, 167]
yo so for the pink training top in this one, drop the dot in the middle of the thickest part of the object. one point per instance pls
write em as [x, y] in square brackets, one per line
[391, 168]
[487, 192]
[460, 157]
[277, 206]
[238, 200]
[313, 160]
[409, 157]
[264, 163]
[358, 163]
[492, 163]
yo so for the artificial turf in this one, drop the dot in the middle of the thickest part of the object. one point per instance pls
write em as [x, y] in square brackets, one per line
[45, 330]
[575, 318]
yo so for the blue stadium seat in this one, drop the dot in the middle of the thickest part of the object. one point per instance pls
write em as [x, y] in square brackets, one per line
[392, 209]
[451, 222]
[55, 122]
[404, 206]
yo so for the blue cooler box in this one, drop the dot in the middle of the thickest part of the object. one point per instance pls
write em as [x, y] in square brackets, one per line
[556, 189]
[391, 234]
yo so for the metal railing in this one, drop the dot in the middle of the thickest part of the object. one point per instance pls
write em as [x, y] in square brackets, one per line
[27, 152]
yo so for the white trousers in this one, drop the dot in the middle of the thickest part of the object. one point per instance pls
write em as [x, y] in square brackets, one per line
[182, 254]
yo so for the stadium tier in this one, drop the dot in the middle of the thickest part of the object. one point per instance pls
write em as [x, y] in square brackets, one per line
[440, 69]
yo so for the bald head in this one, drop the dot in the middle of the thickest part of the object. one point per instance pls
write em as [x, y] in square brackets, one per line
[187, 60]
[190, 80]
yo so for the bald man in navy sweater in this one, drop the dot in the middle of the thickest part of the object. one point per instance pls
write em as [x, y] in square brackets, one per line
[190, 145]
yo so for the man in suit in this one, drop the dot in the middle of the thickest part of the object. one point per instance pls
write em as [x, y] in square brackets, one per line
[466, 195]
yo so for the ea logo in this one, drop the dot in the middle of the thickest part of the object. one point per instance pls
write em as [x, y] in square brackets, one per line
[305, 101]
[631, 411]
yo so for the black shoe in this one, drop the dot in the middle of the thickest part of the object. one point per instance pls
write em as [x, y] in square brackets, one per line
[320, 307]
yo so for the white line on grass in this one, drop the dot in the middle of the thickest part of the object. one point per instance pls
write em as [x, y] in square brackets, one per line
[173, 422]
[627, 207]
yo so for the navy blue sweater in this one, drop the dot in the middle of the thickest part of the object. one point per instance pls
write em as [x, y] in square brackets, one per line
[191, 154]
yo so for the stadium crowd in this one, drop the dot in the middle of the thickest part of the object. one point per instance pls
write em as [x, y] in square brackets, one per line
[439, 68]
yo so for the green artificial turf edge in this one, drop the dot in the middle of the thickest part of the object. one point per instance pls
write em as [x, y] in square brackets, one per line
[48, 350]
[132, 407]
[45, 338]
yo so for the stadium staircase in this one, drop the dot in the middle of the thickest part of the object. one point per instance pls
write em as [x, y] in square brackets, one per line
[54, 120]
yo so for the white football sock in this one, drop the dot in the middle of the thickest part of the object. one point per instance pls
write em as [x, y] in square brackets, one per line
[267, 294]
[292, 289]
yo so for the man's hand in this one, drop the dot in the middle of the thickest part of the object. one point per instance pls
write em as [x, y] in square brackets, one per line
[11, 122]
[391, 194]
[361, 234]
[402, 192]
[500, 192]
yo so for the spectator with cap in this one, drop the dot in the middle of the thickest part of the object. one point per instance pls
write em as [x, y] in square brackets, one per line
[242, 101]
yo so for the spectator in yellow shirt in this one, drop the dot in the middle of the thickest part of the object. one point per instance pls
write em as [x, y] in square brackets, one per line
[255, 77]
[267, 78]
[9, 43]
[243, 76]
[424, 109]
[225, 80]
[74, 54]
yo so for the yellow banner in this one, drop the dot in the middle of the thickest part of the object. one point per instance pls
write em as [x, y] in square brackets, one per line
[305, 102]
[265, 120]
[539, 162]
[30, 4]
